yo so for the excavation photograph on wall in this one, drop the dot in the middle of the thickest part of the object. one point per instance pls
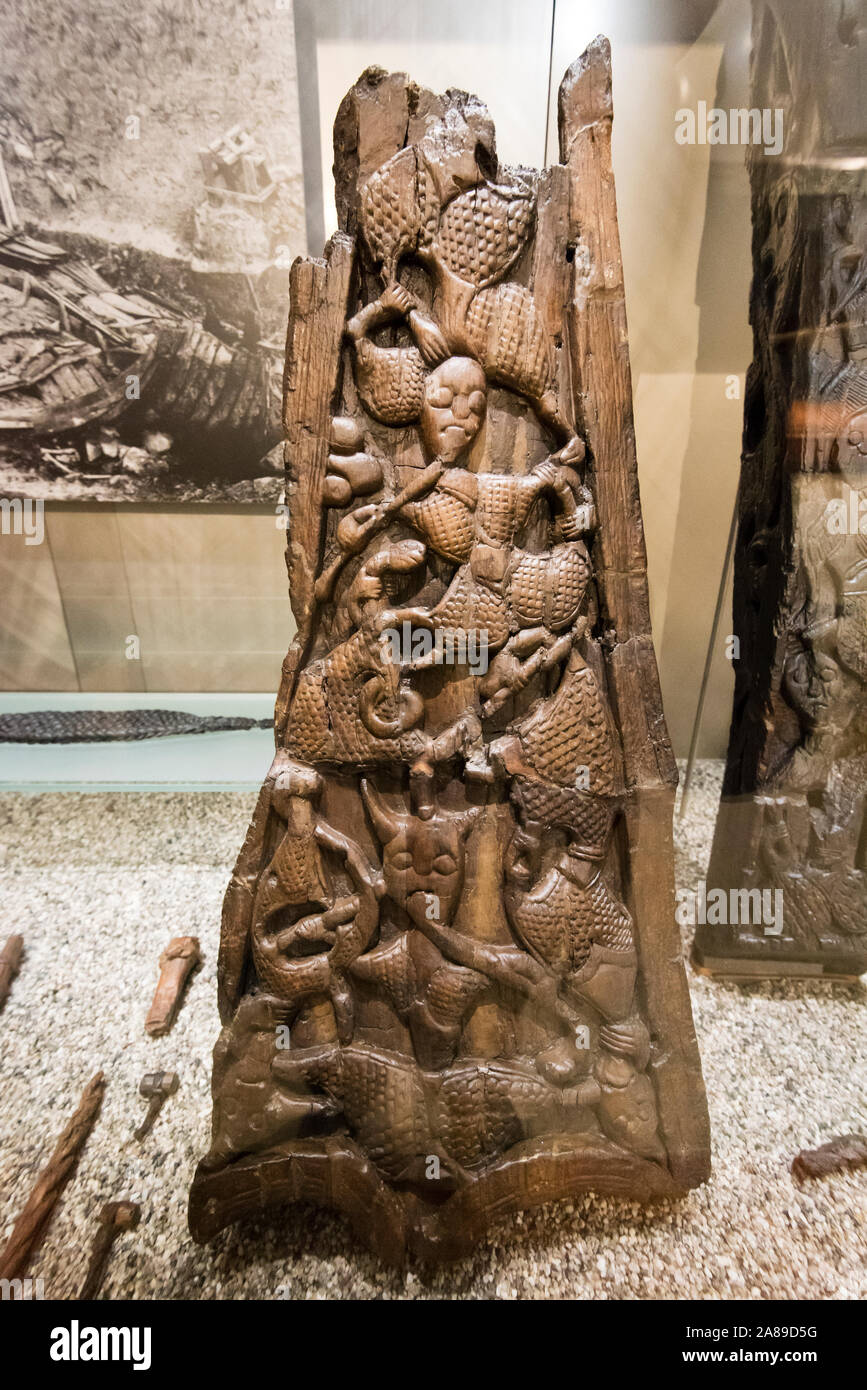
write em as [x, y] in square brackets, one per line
[433, 669]
[146, 234]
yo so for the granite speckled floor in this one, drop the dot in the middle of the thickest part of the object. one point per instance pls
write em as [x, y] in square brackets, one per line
[98, 883]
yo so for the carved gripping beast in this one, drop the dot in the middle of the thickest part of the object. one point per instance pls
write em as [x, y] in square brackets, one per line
[449, 976]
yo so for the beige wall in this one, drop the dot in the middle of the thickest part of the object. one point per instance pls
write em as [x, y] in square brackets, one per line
[204, 591]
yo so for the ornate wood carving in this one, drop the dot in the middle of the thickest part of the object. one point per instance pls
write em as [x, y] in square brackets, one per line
[792, 819]
[450, 977]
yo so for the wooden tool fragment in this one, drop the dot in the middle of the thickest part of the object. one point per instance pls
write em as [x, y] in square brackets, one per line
[114, 1218]
[156, 1087]
[177, 962]
[10, 960]
[840, 1155]
[34, 1219]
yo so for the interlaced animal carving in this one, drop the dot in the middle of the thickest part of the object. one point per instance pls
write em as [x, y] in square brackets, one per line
[435, 202]
[430, 960]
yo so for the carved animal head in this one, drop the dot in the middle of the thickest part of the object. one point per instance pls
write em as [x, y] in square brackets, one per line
[459, 147]
[423, 852]
[400, 203]
[296, 791]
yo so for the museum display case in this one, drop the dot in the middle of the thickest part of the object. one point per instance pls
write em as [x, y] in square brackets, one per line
[432, 733]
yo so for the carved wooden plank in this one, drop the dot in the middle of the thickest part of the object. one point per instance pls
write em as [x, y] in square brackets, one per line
[450, 978]
[318, 296]
[603, 387]
[787, 870]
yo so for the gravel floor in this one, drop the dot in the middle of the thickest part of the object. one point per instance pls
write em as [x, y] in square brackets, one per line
[97, 884]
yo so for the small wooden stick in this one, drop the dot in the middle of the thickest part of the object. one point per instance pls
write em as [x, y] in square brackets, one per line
[10, 960]
[840, 1155]
[114, 1218]
[176, 962]
[33, 1221]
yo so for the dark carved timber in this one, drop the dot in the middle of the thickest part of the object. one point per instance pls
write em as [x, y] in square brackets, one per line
[450, 976]
[791, 821]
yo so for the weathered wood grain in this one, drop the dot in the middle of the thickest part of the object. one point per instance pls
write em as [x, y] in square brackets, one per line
[450, 977]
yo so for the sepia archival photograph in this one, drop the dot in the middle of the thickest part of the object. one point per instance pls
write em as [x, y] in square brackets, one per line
[150, 208]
